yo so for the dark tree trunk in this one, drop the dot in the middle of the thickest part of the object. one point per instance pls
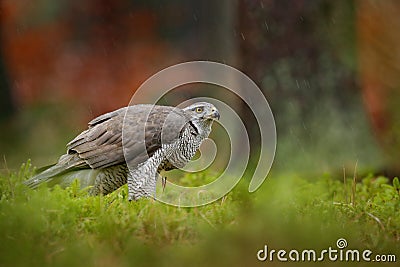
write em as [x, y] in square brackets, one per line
[6, 100]
[302, 55]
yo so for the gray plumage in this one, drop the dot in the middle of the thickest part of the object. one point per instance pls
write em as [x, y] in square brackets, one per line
[155, 138]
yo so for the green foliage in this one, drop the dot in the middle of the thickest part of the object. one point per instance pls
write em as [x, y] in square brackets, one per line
[57, 227]
[396, 184]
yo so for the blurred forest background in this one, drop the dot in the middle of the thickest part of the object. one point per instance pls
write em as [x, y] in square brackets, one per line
[329, 70]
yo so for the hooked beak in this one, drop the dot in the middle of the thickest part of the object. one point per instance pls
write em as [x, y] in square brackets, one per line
[215, 114]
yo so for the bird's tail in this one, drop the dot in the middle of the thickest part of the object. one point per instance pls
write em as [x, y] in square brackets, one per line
[63, 173]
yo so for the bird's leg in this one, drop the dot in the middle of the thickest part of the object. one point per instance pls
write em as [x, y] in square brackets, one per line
[131, 187]
[163, 182]
[142, 181]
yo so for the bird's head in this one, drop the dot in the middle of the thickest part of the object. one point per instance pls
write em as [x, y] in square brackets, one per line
[202, 111]
[202, 114]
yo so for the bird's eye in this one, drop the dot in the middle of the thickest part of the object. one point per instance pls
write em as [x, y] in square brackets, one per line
[199, 110]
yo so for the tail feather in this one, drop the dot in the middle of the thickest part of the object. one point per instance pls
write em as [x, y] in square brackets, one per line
[42, 169]
[49, 175]
[64, 173]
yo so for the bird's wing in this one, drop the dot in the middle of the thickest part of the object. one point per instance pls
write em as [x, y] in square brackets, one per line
[100, 145]
[163, 126]
[146, 127]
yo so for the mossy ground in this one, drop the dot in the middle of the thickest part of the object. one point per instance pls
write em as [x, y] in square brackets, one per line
[57, 227]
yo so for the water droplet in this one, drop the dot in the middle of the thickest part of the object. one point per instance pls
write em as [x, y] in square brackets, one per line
[266, 25]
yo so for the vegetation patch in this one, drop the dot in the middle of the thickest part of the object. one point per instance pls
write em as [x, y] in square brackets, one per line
[57, 227]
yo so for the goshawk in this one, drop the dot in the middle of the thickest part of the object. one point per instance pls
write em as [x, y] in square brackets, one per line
[155, 138]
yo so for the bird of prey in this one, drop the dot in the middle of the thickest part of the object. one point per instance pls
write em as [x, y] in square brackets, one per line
[155, 138]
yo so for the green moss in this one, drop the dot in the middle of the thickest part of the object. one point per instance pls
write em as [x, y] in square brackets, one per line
[60, 227]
